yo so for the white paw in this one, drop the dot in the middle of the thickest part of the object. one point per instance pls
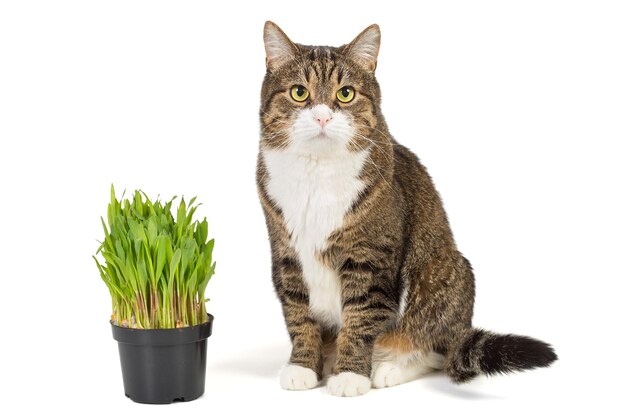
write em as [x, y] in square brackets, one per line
[387, 374]
[348, 384]
[391, 373]
[296, 377]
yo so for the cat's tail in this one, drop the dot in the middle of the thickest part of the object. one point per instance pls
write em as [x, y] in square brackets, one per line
[478, 351]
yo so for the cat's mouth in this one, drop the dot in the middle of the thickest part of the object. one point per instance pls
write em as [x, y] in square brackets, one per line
[320, 135]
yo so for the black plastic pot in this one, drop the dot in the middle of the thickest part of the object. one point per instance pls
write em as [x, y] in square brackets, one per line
[161, 366]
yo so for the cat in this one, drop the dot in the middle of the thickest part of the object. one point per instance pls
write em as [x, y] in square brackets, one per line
[373, 288]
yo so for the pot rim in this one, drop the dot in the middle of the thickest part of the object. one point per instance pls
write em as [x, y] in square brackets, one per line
[163, 337]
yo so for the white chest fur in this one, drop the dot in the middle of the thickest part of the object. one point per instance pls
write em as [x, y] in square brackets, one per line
[314, 194]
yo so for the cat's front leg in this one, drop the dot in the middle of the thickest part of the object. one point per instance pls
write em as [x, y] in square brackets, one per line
[368, 308]
[304, 369]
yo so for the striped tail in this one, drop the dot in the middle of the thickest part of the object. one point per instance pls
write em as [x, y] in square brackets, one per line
[478, 352]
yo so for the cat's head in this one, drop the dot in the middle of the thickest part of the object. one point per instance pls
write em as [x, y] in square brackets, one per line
[320, 100]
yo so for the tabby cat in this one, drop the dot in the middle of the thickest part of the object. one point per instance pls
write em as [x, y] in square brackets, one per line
[373, 288]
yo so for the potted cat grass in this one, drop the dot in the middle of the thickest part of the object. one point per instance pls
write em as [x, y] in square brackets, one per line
[157, 268]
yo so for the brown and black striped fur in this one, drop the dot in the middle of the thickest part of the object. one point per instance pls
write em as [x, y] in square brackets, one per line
[395, 238]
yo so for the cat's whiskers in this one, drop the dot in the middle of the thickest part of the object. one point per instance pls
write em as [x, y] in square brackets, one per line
[391, 140]
[273, 135]
[274, 122]
[383, 150]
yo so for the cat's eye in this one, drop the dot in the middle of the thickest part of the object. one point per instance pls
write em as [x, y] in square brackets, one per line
[345, 94]
[299, 93]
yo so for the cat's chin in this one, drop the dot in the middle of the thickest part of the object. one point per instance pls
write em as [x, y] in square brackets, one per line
[319, 146]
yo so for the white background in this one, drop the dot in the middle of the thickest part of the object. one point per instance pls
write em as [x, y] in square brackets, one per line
[518, 109]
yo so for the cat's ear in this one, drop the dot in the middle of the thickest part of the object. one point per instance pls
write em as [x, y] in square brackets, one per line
[278, 48]
[364, 48]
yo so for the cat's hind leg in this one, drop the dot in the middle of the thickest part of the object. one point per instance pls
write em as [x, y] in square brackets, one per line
[396, 361]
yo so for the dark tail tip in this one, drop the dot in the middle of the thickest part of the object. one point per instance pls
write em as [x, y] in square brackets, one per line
[510, 353]
[483, 352]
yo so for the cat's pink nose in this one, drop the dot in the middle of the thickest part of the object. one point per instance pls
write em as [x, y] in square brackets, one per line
[322, 114]
[323, 120]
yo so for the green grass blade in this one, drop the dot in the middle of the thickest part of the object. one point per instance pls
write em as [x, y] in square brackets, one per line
[157, 261]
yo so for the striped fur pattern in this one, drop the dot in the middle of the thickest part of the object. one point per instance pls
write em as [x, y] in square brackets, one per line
[364, 263]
